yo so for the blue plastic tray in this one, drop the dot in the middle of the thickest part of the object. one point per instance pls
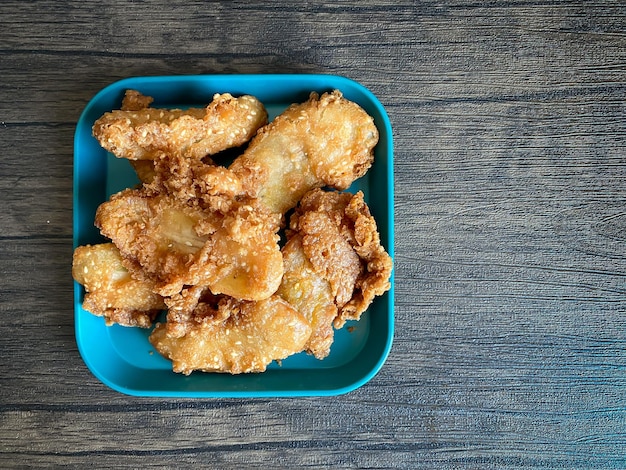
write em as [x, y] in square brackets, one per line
[123, 358]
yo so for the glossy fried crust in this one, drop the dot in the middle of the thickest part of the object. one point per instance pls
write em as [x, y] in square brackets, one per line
[326, 141]
[138, 132]
[111, 291]
[352, 216]
[334, 263]
[310, 294]
[209, 186]
[176, 244]
[253, 335]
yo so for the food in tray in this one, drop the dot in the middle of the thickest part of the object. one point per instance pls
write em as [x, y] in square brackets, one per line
[334, 263]
[326, 141]
[111, 292]
[201, 240]
[251, 336]
[139, 132]
[177, 244]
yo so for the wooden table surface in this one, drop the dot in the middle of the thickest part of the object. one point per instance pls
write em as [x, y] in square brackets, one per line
[509, 120]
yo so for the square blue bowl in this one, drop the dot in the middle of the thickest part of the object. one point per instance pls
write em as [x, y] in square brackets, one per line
[123, 358]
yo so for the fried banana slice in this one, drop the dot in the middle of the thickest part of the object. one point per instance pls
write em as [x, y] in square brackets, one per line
[310, 294]
[253, 335]
[246, 251]
[111, 291]
[326, 141]
[334, 263]
[177, 244]
[138, 132]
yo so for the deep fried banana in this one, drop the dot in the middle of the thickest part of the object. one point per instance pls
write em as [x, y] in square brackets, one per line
[310, 294]
[144, 133]
[177, 244]
[326, 141]
[253, 335]
[334, 263]
[111, 292]
[352, 216]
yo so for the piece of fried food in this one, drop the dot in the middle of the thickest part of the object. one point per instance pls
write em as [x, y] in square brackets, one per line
[177, 244]
[111, 291]
[209, 186]
[326, 141]
[253, 335]
[135, 101]
[310, 294]
[192, 307]
[138, 132]
[334, 263]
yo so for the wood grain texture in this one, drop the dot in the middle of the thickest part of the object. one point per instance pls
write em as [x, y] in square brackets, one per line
[509, 122]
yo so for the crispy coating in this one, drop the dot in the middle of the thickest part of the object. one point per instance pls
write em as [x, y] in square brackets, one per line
[334, 263]
[210, 186]
[326, 141]
[356, 225]
[177, 244]
[246, 251]
[138, 132]
[253, 335]
[135, 101]
[111, 291]
[310, 294]
[192, 307]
